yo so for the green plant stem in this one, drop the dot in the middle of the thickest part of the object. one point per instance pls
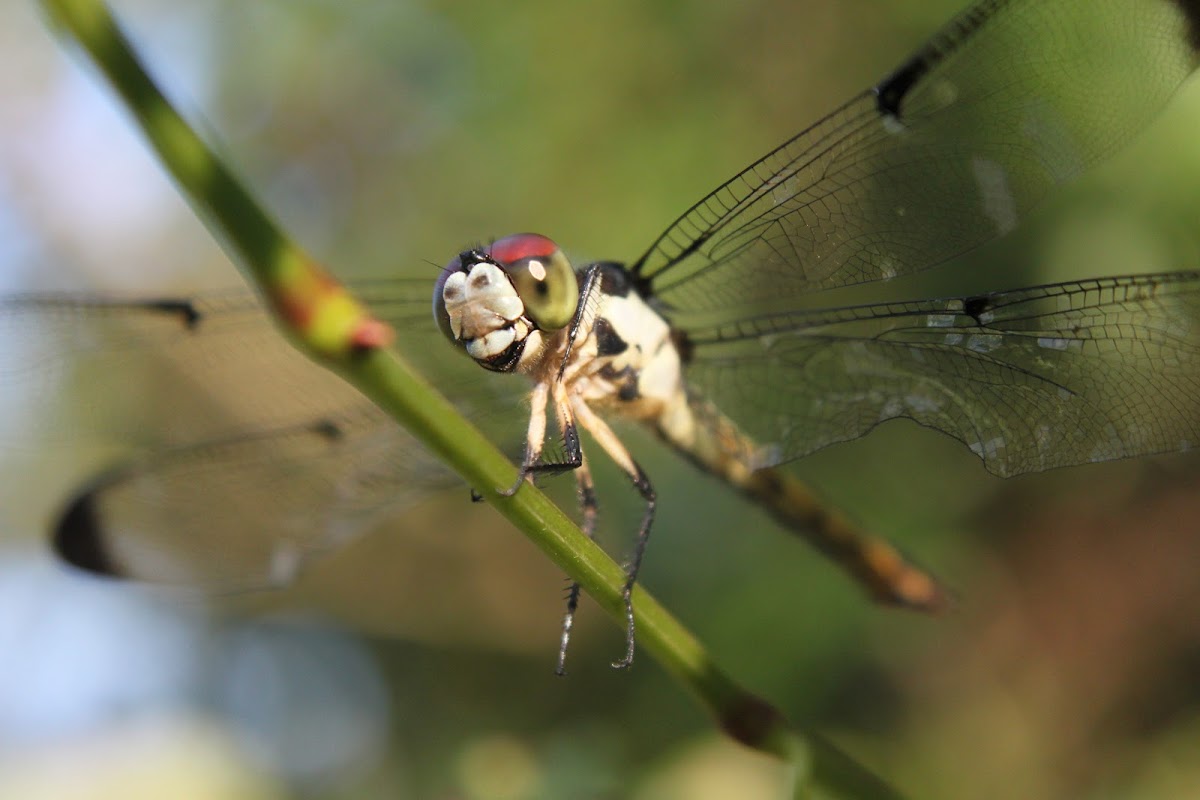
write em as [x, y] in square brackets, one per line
[275, 263]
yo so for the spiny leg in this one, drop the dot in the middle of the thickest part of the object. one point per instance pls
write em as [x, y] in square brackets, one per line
[620, 455]
[535, 441]
[589, 295]
[531, 465]
[574, 460]
[589, 507]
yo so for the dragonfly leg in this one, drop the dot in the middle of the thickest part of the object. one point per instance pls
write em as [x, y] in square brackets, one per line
[574, 460]
[535, 437]
[589, 297]
[590, 507]
[620, 454]
[531, 466]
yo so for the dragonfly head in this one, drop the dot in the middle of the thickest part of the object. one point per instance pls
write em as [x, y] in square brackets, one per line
[498, 302]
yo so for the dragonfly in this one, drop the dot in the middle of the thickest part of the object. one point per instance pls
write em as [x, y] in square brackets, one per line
[715, 337]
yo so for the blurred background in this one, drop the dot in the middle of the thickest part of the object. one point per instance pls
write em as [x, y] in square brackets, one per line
[417, 662]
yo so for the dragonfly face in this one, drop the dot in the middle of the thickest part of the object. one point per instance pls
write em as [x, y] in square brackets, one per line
[713, 338]
[502, 304]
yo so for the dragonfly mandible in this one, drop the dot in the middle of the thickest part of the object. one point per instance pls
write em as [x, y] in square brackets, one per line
[711, 338]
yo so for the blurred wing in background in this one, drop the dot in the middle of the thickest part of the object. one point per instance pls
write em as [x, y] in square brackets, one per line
[246, 513]
[251, 459]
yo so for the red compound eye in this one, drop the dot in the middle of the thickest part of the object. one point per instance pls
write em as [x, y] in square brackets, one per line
[512, 249]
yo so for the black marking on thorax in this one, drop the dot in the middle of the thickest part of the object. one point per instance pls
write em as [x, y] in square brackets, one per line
[615, 280]
[625, 379]
[608, 341]
[628, 391]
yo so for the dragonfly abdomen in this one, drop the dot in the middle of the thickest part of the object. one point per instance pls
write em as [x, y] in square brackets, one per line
[713, 442]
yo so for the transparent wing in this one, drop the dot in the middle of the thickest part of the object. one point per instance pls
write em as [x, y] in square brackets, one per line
[248, 458]
[1029, 379]
[1009, 100]
[249, 512]
[192, 368]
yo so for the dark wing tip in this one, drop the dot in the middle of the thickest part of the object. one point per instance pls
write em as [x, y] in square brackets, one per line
[78, 537]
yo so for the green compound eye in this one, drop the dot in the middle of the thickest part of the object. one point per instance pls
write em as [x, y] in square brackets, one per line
[547, 287]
